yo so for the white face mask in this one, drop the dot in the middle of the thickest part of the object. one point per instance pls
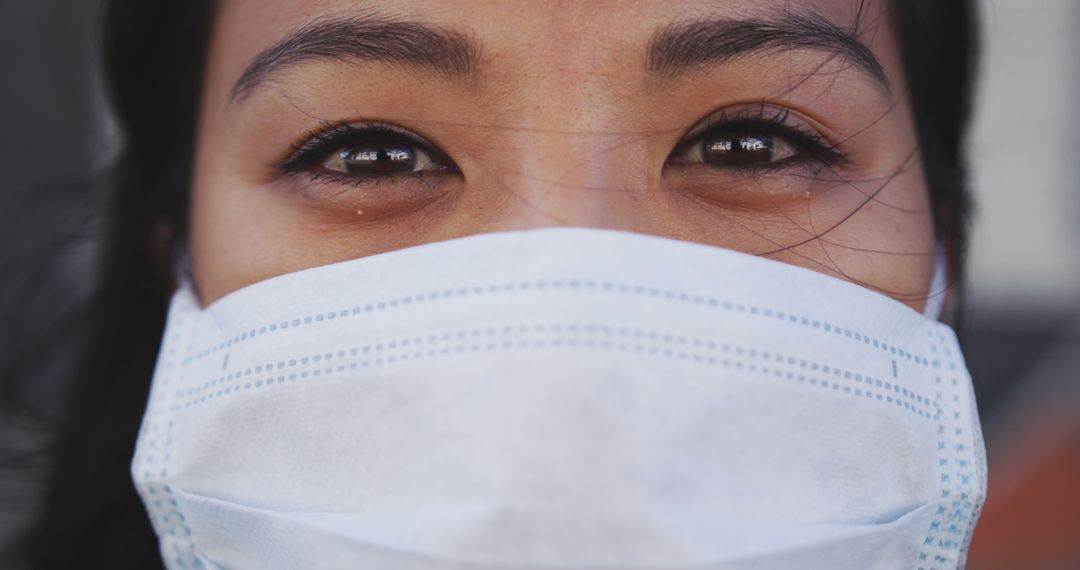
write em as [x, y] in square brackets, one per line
[564, 398]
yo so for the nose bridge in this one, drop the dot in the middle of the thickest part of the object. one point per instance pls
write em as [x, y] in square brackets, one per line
[591, 178]
[580, 158]
[575, 158]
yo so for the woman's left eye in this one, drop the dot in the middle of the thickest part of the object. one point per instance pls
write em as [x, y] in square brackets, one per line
[754, 139]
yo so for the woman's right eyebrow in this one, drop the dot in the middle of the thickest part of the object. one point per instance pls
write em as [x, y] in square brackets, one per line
[364, 36]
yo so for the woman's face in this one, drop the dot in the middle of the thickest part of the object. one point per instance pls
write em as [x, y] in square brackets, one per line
[337, 129]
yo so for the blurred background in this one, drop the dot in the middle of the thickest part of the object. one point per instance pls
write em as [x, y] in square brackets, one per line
[1023, 332]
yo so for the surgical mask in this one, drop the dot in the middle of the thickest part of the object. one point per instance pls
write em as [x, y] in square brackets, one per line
[558, 399]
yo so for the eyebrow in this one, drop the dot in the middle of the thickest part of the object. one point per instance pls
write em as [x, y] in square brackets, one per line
[365, 37]
[680, 47]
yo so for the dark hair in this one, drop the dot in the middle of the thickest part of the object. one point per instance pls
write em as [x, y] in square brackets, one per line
[153, 62]
[938, 42]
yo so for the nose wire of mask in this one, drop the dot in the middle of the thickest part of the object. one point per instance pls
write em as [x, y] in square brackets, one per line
[556, 399]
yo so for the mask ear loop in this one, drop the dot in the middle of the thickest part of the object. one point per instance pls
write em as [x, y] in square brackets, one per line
[935, 296]
[181, 270]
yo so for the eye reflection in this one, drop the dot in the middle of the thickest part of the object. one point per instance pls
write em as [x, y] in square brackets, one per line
[365, 153]
[376, 159]
[744, 150]
[755, 139]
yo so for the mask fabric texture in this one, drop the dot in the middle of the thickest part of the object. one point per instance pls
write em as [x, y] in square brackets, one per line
[562, 398]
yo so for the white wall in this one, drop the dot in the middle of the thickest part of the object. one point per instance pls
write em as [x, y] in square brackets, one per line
[1026, 157]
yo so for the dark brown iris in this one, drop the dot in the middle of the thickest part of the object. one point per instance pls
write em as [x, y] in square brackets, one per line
[375, 159]
[737, 150]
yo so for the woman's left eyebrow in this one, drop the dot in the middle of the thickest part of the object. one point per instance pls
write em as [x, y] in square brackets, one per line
[683, 46]
[364, 36]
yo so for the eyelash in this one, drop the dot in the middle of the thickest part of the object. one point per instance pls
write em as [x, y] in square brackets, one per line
[317, 145]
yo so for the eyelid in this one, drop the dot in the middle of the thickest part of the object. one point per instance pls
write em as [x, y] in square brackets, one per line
[750, 112]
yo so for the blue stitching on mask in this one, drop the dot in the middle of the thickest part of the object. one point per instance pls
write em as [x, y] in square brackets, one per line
[435, 296]
[164, 510]
[955, 517]
[566, 336]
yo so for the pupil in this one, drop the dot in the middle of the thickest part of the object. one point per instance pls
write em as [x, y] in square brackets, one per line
[379, 159]
[738, 150]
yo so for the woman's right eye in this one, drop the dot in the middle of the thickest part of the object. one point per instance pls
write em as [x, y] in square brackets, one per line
[362, 153]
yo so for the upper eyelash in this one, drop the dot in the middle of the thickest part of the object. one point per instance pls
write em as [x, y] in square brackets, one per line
[319, 143]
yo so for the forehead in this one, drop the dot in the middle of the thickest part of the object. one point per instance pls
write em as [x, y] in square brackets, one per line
[541, 38]
[254, 18]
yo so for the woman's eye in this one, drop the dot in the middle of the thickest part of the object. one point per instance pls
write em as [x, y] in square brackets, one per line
[379, 158]
[738, 150]
[359, 153]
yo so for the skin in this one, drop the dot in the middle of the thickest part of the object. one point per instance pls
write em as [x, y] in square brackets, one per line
[561, 124]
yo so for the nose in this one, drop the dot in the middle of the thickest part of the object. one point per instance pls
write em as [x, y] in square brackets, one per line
[585, 178]
[569, 154]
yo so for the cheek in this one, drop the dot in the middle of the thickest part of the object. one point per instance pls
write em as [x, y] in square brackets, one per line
[876, 231]
[240, 231]
[233, 234]
[243, 233]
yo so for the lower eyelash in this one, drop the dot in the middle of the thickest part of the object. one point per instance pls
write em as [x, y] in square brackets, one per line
[321, 176]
